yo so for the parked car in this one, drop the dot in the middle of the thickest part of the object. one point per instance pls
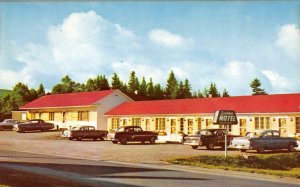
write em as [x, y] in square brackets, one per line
[84, 132]
[264, 140]
[126, 134]
[33, 125]
[8, 124]
[209, 138]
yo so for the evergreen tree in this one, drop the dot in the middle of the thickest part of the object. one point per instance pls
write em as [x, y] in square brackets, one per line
[256, 90]
[225, 93]
[213, 91]
[41, 90]
[180, 91]
[133, 84]
[187, 89]
[90, 85]
[200, 94]
[205, 92]
[150, 90]
[115, 82]
[158, 92]
[172, 87]
[194, 95]
[143, 88]
[66, 86]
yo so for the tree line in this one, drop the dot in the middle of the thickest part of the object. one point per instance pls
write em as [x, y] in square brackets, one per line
[134, 88]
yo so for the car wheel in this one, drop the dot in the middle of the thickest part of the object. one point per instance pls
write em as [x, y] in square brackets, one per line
[101, 139]
[123, 141]
[260, 150]
[114, 142]
[70, 138]
[194, 146]
[291, 147]
[78, 138]
[95, 139]
[243, 150]
[210, 146]
[143, 141]
[152, 140]
[21, 130]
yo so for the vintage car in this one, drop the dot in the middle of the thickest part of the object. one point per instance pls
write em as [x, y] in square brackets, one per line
[126, 134]
[263, 140]
[84, 132]
[33, 125]
[8, 124]
[209, 138]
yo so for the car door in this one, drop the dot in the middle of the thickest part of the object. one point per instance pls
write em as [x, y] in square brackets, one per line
[130, 134]
[139, 134]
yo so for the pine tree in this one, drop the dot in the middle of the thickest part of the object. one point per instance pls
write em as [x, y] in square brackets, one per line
[150, 90]
[41, 90]
[180, 91]
[187, 89]
[200, 95]
[213, 91]
[115, 82]
[225, 93]
[143, 88]
[133, 84]
[256, 90]
[205, 92]
[158, 92]
[172, 87]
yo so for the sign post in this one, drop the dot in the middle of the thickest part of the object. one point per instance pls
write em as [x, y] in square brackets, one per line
[225, 117]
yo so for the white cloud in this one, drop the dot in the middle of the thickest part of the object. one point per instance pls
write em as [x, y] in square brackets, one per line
[278, 82]
[167, 39]
[289, 40]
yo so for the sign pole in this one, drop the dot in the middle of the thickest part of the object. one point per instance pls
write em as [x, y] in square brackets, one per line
[225, 140]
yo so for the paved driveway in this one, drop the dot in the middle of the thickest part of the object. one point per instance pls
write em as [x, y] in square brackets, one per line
[51, 143]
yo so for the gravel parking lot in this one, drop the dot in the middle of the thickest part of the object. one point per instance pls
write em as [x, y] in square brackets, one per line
[52, 144]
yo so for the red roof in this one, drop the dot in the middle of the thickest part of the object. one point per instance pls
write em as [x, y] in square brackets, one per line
[67, 100]
[279, 103]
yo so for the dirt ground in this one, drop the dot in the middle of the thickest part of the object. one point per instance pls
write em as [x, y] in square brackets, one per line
[51, 143]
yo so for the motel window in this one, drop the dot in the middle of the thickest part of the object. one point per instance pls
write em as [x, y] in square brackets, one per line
[83, 115]
[115, 123]
[190, 126]
[199, 123]
[297, 124]
[160, 124]
[136, 121]
[262, 123]
[51, 116]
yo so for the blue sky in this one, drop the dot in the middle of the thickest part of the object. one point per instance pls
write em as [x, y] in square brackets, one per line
[229, 43]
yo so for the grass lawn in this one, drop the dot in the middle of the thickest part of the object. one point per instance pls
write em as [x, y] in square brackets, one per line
[279, 164]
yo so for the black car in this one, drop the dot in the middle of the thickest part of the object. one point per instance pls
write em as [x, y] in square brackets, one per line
[208, 138]
[33, 125]
[126, 134]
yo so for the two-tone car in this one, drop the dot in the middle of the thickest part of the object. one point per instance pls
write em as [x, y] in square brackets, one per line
[8, 124]
[210, 138]
[126, 134]
[264, 140]
[33, 125]
[85, 132]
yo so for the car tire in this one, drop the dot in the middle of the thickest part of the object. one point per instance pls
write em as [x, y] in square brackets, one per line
[243, 150]
[123, 141]
[95, 139]
[291, 147]
[260, 150]
[143, 141]
[194, 146]
[114, 142]
[78, 138]
[70, 138]
[210, 146]
[152, 140]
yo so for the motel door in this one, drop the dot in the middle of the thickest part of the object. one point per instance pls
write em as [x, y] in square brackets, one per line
[63, 117]
[243, 128]
[173, 130]
[282, 127]
[147, 124]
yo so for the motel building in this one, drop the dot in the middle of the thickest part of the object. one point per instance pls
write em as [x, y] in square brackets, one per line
[170, 118]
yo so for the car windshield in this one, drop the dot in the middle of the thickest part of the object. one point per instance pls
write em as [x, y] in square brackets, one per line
[120, 129]
[253, 134]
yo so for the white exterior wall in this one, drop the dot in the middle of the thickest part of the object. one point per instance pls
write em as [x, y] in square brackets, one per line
[106, 104]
